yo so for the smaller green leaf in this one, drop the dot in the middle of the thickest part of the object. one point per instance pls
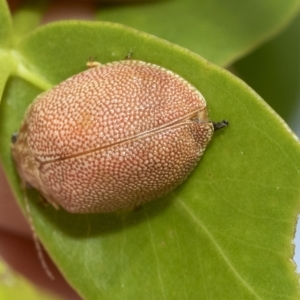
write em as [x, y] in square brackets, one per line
[27, 18]
[6, 25]
[220, 31]
[14, 287]
[273, 71]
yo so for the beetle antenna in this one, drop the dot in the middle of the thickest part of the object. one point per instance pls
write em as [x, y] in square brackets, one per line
[36, 241]
[219, 125]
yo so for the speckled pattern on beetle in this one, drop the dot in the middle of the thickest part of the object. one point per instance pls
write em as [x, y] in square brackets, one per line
[113, 137]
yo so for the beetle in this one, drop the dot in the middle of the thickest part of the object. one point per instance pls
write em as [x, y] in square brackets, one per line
[113, 137]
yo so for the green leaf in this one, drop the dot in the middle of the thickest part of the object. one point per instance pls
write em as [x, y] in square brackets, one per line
[220, 31]
[15, 287]
[226, 233]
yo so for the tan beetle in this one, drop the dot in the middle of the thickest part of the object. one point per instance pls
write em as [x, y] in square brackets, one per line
[113, 137]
